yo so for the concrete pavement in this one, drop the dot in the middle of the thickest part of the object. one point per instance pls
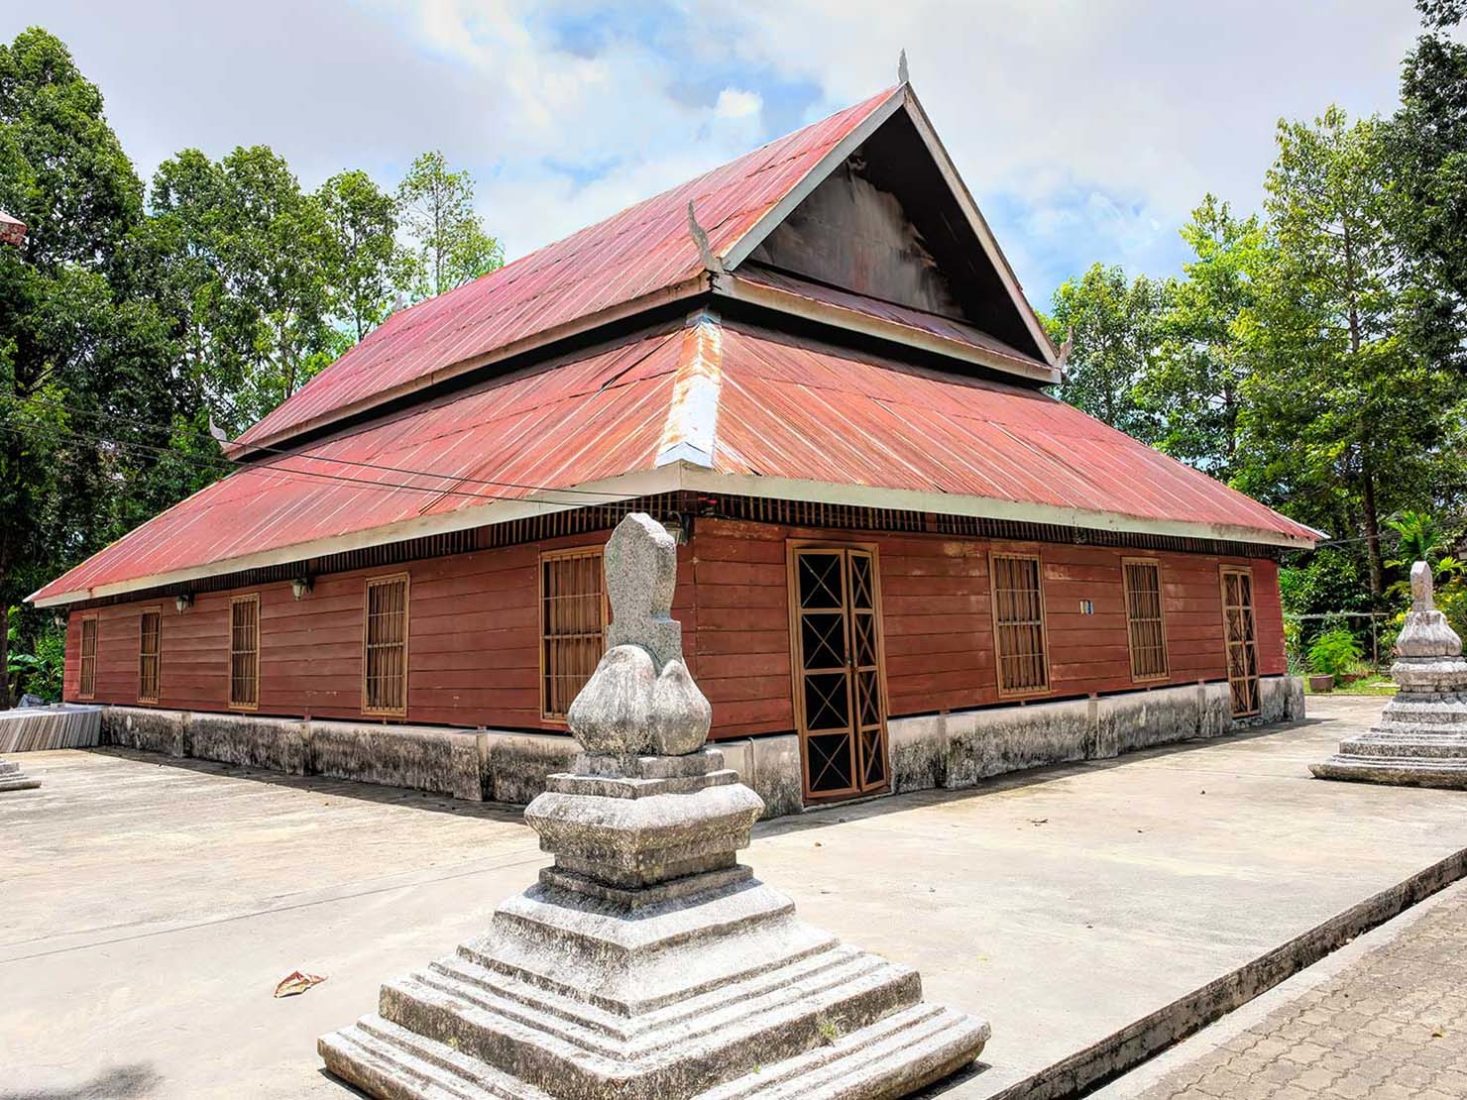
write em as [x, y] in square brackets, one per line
[147, 909]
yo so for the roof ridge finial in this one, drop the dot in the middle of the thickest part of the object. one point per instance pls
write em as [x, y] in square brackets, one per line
[902, 75]
[700, 238]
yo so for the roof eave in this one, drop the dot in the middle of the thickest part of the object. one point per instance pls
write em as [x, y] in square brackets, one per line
[680, 473]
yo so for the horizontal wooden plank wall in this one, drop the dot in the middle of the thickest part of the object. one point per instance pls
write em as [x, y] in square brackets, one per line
[935, 596]
[473, 651]
[473, 644]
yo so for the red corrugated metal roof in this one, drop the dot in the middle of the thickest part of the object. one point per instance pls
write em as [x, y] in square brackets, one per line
[782, 408]
[644, 249]
[799, 410]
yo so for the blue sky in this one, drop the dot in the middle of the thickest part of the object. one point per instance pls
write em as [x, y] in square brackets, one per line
[1086, 129]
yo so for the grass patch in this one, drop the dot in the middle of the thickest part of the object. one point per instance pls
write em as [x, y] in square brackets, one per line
[1378, 684]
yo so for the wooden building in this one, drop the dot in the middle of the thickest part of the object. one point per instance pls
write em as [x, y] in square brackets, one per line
[813, 363]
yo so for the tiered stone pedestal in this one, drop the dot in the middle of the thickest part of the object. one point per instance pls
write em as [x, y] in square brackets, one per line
[1421, 739]
[648, 964]
[612, 979]
[13, 779]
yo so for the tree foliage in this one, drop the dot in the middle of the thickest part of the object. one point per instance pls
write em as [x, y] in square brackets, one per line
[132, 324]
[449, 245]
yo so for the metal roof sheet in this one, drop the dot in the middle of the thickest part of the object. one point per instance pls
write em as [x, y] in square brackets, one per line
[640, 251]
[766, 405]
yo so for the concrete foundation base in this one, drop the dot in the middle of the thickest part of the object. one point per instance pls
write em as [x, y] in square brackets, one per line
[949, 751]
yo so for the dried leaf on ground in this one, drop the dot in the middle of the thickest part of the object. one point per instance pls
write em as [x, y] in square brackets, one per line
[296, 983]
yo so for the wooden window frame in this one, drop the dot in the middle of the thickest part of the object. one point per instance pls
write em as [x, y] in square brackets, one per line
[143, 655]
[797, 687]
[597, 550]
[83, 690]
[407, 591]
[234, 601]
[1166, 657]
[1047, 688]
[1223, 571]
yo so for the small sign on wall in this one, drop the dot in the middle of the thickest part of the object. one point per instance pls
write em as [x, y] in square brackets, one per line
[1087, 607]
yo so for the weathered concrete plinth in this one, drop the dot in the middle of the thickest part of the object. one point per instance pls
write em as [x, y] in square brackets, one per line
[1421, 739]
[13, 779]
[648, 963]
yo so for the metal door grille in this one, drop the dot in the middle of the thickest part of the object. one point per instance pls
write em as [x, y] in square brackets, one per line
[838, 670]
[1241, 634]
[385, 663]
[1145, 622]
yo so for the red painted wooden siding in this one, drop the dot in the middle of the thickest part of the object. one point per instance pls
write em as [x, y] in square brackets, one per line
[473, 650]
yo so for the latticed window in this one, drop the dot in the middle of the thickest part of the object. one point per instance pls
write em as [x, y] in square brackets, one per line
[384, 688]
[1144, 623]
[88, 686]
[572, 625]
[150, 637]
[1018, 624]
[244, 651]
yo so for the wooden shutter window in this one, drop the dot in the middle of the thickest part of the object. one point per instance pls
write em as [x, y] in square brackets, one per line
[572, 626]
[150, 636]
[88, 685]
[385, 668]
[1145, 622]
[1018, 625]
[244, 652]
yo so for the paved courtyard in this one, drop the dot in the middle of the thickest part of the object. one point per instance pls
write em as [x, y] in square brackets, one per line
[1389, 1025]
[148, 908]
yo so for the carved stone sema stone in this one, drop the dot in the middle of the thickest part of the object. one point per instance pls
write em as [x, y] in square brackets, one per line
[13, 779]
[1421, 739]
[648, 963]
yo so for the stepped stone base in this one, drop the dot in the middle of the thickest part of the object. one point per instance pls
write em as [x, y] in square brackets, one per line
[626, 983]
[722, 994]
[13, 779]
[1421, 739]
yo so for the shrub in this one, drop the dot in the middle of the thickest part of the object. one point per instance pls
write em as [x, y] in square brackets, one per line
[1335, 652]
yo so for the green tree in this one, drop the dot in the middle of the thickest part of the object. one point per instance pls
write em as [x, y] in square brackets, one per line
[365, 263]
[247, 256]
[1112, 327]
[1194, 383]
[1345, 416]
[449, 244]
[84, 351]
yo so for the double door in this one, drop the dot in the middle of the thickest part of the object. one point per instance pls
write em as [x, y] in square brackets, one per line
[839, 702]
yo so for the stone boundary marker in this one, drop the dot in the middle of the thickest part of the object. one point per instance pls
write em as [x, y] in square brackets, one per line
[1153, 1033]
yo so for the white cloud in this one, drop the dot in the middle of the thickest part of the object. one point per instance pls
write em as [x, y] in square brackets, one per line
[736, 103]
[1086, 130]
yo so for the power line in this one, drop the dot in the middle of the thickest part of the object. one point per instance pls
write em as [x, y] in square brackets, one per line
[86, 437]
[285, 453]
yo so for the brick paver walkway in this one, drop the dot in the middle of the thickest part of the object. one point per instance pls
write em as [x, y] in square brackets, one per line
[1391, 1025]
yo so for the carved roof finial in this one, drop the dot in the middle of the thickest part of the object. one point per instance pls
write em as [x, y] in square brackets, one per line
[902, 75]
[700, 238]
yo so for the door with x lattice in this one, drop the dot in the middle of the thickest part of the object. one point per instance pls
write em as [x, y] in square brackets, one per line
[1241, 639]
[839, 702]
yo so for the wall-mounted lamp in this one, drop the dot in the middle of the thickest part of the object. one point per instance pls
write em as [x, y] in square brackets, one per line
[680, 527]
[301, 587]
[183, 601]
[59, 619]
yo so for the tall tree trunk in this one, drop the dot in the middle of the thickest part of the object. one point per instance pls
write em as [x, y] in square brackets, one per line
[1372, 535]
[5, 646]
